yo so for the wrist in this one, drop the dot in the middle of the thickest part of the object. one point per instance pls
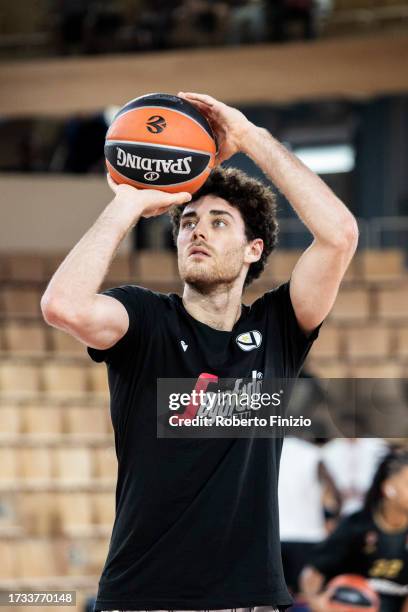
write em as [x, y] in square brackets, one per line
[122, 212]
[251, 136]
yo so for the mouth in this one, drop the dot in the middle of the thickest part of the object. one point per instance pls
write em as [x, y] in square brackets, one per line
[198, 251]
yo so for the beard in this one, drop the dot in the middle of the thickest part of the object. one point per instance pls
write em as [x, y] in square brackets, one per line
[207, 274]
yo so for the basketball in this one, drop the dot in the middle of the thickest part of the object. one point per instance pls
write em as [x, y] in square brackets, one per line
[160, 141]
[351, 593]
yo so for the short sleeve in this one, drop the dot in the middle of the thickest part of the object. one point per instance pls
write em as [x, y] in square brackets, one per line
[330, 557]
[140, 305]
[296, 344]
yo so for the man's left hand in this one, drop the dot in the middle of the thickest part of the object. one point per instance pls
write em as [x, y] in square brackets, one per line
[229, 125]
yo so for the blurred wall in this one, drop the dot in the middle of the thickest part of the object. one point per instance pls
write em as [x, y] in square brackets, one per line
[50, 213]
[361, 67]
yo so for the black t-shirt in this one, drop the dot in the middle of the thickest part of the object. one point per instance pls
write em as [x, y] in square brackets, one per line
[196, 523]
[358, 546]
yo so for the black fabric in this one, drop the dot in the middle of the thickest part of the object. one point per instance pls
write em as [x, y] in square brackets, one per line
[196, 523]
[359, 546]
[295, 555]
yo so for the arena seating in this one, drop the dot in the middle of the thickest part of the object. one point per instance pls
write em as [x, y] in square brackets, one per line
[350, 16]
[57, 457]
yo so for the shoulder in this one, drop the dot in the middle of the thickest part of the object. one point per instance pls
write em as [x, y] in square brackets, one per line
[273, 299]
[356, 522]
[138, 295]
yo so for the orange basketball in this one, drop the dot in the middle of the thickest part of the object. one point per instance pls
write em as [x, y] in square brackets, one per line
[160, 141]
[351, 593]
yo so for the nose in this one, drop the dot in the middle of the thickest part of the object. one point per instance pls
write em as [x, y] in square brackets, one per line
[199, 231]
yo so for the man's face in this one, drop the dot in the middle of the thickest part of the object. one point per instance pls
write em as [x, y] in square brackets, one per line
[211, 243]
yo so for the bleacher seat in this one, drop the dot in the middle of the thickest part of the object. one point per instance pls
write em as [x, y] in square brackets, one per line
[106, 465]
[280, 266]
[392, 302]
[65, 344]
[383, 264]
[35, 464]
[368, 341]
[25, 267]
[98, 379]
[328, 344]
[64, 378]
[120, 270]
[83, 557]
[24, 338]
[19, 378]
[402, 342]
[9, 563]
[20, 302]
[8, 466]
[155, 266]
[10, 420]
[85, 420]
[37, 419]
[52, 262]
[103, 509]
[74, 511]
[9, 514]
[378, 369]
[327, 368]
[351, 304]
[73, 465]
[38, 513]
[36, 558]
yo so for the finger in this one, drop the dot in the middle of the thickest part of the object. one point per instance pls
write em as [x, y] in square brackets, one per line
[204, 98]
[179, 198]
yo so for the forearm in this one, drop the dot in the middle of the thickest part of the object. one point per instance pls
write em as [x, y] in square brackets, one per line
[79, 277]
[310, 583]
[326, 217]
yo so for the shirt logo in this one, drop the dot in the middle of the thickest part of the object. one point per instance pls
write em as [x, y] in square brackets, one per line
[184, 346]
[248, 341]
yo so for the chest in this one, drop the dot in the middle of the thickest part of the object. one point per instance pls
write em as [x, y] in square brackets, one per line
[184, 349]
[386, 555]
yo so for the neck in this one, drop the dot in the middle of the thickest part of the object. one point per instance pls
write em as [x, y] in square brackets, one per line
[390, 517]
[219, 307]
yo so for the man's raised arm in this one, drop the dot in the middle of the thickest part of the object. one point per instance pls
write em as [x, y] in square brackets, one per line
[317, 275]
[71, 301]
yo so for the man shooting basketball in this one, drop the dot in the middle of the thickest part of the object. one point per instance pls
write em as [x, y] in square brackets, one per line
[196, 523]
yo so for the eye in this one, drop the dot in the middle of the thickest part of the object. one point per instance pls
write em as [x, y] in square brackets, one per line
[220, 222]
[187, 224]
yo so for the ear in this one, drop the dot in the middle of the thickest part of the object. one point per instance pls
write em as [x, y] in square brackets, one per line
[390, 491]
[254, 250]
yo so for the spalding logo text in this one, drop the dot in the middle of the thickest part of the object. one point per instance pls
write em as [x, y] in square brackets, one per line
[129, 160]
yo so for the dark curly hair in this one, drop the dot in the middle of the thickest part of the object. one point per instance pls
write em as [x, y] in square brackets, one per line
[255, 202]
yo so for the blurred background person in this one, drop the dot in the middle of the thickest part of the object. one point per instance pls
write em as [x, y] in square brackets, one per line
[303, 484]
[351, 463]
[371, 542]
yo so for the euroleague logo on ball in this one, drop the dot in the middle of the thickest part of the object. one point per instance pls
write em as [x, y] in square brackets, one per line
[156, 124]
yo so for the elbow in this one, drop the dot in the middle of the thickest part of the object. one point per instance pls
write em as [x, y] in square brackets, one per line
[55, 313]
[48, 308]
[346, 238]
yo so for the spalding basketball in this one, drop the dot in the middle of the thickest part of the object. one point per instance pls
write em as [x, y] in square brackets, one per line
[160, 141]
[351, 593]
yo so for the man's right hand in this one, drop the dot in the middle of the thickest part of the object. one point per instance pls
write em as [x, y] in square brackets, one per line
[147, 202]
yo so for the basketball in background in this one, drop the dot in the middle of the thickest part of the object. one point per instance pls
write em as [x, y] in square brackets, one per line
[351, 593]
[160, 141]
